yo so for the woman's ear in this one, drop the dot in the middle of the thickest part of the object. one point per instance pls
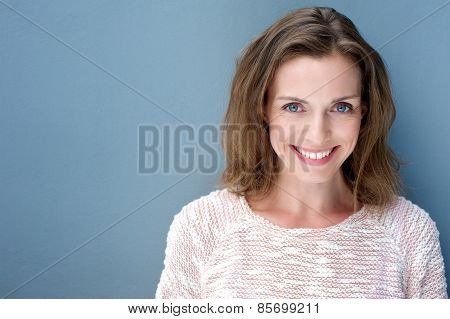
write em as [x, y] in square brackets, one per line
[363, 110]
[265, 121]
[264, 112]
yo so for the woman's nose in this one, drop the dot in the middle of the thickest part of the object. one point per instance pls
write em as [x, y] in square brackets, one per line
[317, 130]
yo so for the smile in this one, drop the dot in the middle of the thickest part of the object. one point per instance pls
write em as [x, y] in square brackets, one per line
[314, 158]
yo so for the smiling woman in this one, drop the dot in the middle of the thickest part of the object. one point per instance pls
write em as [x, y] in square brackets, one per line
[310, 163]
[311, 205]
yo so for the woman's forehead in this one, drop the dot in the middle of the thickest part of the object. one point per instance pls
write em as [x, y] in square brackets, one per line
[306, 76]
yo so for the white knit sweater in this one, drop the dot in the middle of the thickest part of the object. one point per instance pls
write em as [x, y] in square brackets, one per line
[217, 247]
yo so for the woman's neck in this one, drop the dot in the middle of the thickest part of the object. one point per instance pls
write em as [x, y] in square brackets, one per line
[308, 200]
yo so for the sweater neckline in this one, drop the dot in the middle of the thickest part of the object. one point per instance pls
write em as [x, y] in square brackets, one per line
[301, 230]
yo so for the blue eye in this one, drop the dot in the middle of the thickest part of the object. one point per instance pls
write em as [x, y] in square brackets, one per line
[344, 105]
[292, 107]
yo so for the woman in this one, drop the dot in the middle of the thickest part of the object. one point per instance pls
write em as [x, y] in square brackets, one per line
[311, 204]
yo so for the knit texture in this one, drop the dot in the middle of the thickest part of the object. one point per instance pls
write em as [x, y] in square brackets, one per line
[217, 247]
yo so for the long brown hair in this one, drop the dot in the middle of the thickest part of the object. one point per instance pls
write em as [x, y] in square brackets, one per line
[372, 170]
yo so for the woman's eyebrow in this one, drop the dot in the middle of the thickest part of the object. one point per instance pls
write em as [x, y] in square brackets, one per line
[293, 98]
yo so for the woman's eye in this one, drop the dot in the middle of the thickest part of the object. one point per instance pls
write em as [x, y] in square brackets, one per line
[292, 107]
[341, 108]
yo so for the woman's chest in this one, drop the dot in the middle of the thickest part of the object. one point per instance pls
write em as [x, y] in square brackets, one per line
[257, 265]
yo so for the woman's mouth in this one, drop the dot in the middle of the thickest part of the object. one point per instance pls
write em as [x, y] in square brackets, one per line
[310, 158]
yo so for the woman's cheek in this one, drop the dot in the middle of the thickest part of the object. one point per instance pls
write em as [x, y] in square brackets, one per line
[349, 125]
[350, 133]
[278, 138]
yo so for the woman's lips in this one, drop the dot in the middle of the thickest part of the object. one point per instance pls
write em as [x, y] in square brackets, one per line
[315, 162]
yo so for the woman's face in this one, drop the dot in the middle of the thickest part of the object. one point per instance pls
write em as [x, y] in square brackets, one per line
[328, 117]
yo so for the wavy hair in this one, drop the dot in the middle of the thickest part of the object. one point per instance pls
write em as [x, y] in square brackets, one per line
[372, 170]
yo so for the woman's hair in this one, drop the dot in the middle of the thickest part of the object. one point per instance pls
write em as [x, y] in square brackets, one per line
[372, 170]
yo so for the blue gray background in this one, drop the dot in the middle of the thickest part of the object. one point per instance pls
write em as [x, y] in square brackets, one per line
[77, 78]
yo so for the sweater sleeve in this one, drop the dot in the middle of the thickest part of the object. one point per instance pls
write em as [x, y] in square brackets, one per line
[180, 277]
[425, 265]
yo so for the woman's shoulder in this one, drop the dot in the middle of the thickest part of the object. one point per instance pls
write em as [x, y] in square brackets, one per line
[212, 210]
[218, 198]
[406, 220]
[403, 211]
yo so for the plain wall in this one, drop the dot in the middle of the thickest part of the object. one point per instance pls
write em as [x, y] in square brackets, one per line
[77, 78]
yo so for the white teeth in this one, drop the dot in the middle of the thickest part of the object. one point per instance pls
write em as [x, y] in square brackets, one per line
[314, 155]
